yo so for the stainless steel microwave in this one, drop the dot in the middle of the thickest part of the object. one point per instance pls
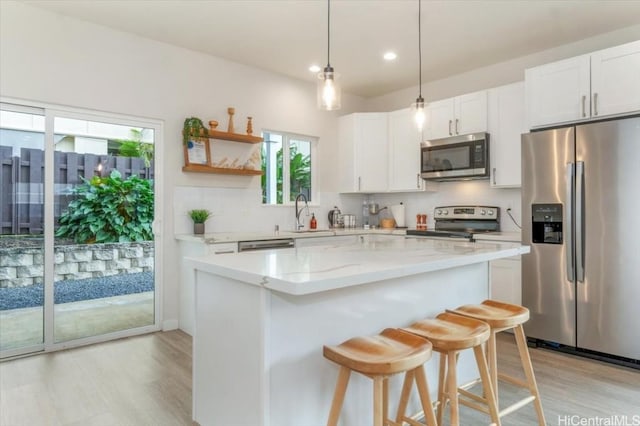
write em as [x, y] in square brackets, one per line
[455, 158]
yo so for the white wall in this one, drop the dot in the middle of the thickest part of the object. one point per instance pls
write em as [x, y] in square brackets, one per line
[54, 59]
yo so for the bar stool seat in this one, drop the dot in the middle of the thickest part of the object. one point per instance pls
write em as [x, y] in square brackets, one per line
[450, 334]
[503, 316]
[379, 357]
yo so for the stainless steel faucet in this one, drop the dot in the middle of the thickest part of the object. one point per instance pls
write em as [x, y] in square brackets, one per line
[299, 225]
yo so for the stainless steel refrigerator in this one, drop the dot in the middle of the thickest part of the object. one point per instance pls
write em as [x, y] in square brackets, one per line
[581, 217]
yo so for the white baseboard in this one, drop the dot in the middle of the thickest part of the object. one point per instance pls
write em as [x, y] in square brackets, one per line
[171, 324]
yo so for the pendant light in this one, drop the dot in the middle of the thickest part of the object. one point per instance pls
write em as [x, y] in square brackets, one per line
[328, 85]
[418, 107]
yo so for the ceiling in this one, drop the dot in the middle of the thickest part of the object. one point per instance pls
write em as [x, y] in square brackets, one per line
[287, 36]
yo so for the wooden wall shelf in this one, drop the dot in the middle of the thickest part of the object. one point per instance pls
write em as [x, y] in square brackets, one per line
[199, 164]
[236, 137]
[200, 168]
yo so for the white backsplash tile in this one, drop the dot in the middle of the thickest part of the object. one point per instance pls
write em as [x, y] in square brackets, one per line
[240, 209]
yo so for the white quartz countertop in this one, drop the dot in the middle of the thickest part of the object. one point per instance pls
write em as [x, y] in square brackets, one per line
[307, 270]
[515, 237]
[234, 237]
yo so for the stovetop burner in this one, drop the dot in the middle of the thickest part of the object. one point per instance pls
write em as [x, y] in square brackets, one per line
[461, 222]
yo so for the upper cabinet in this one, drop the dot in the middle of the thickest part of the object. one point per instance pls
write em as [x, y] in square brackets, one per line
[362, 138]
[506, 125]
[379, 152]
[404, 152]
[615, 80]
[457, 116]
[601, 84]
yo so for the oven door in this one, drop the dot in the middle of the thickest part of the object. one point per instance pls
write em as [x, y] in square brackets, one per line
[455, 158]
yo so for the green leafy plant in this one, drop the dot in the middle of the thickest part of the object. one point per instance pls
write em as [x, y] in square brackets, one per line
[299, 174]
[193, 126]
[109, 209]
[199, 215]
[134, 147]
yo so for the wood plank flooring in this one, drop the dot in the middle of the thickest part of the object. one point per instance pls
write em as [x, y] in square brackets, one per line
[146, 380]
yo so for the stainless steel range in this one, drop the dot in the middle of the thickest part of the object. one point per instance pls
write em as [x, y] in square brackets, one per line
[461, 222]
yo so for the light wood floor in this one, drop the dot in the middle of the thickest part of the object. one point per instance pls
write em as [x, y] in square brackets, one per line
[146, 380]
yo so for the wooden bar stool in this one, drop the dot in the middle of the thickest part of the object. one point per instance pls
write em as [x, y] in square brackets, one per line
[449, 334]
[504, 316]
[379, 357]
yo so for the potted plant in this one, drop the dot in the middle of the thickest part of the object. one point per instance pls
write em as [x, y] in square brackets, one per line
[193, 126]
[199, 217]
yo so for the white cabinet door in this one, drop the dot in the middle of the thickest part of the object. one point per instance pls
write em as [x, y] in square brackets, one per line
[506, 280]
[439, 119]
[371, 152]
[506, 125]
[404, 152]
[558, 92]
[346, 154]
[362, 159]
[615, 80]
[187, 277]
[457, 116]
[470, 113]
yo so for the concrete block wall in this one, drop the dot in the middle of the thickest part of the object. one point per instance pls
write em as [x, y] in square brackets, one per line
[21, 267]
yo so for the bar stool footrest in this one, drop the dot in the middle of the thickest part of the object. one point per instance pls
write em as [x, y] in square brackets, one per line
[474, 405]
[513, 381]
[409, 420]
[516, 406]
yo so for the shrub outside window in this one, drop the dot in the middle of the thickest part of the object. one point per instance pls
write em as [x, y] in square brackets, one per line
[287, 165]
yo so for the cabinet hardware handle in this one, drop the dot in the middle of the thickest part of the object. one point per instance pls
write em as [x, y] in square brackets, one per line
[595, 104]
[224, 252]
[418, 180]
[359, 183]
[494, 175]
[450, 122]
[457, 126]
[584, 111]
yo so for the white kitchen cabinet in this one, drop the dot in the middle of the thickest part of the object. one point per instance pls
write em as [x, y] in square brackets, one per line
[456, 116]
[558, 92]
[506, 125]
[505, 275]
[600, 84]
[615, 80]
[363, 162]
[187, 275]
[506, 280]
[404, 152]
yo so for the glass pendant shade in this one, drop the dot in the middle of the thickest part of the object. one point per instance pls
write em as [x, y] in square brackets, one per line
[418, 112]
[329, 92]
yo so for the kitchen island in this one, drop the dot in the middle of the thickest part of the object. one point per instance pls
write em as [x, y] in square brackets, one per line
[263, 317]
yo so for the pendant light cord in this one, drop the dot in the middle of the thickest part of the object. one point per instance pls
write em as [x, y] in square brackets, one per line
[420, 48]
[328, 31]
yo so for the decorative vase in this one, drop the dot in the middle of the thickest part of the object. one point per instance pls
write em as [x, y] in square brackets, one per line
[198, 228]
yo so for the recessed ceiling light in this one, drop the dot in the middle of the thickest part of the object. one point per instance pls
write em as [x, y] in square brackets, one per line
[314, 68]
[390, 56]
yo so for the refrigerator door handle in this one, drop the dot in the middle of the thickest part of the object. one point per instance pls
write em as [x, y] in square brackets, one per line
[569, 179]
[579, 207]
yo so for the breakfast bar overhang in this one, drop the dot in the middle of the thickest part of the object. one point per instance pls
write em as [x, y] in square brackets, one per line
[263, 317]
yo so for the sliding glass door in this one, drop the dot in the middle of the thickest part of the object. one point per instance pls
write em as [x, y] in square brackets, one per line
[22, 182]
[78, 232]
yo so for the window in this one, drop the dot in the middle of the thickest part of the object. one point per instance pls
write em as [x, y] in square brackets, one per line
[287, 167]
